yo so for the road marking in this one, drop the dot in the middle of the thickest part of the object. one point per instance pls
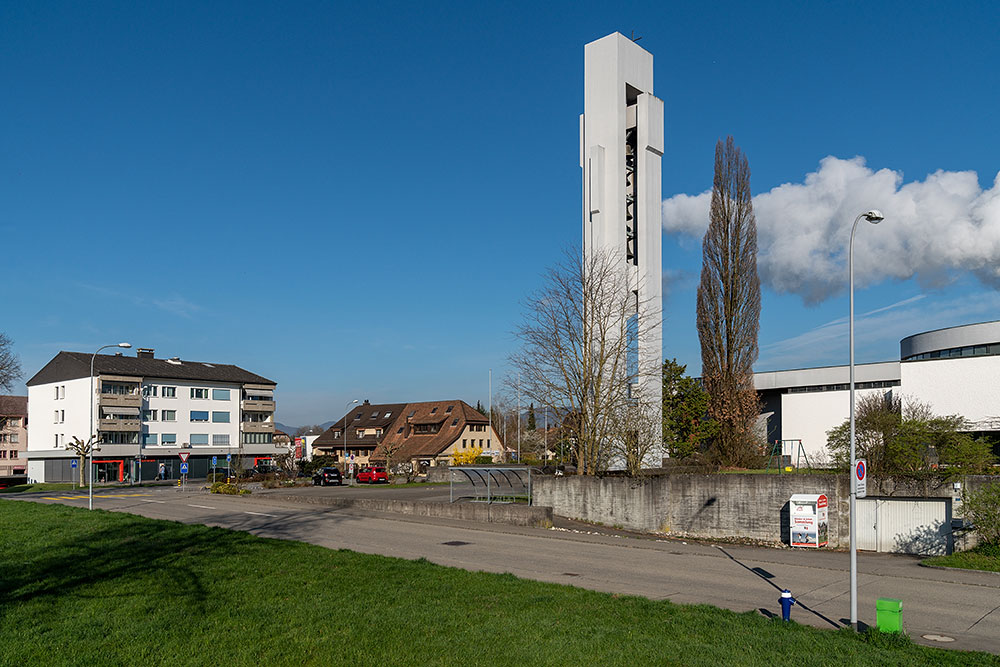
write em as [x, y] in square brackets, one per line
[204, 507]
[151, 501]
[273, 516]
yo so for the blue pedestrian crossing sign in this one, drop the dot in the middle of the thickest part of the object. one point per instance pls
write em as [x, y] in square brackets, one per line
[215, 459]
[72, 464]
[184, 468]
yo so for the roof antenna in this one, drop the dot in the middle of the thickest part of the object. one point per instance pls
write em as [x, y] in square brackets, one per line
[634, 38]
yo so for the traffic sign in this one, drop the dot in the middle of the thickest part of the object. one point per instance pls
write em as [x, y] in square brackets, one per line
[184, 456]
[215, 459]
[229, 457]
[861, 479]
[72, 464]
[184, 468]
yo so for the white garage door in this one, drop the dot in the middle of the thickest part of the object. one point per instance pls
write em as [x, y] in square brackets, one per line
[905, 525]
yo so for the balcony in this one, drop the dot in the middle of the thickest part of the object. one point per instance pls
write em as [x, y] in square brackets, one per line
[258, 406]
[121, 400]
[118, 425]
[257, 427]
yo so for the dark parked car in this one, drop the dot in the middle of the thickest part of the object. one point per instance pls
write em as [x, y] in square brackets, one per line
[325, 476]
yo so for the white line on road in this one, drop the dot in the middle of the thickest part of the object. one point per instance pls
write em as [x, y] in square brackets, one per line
[152, 501]
[204, 507]
[273, 516]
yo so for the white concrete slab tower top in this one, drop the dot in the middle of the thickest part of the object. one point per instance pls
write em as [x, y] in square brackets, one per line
[621, 142]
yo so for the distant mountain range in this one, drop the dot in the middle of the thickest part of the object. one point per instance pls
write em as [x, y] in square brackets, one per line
[290, 430]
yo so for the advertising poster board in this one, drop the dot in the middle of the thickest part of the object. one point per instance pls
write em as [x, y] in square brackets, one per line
[808, 517]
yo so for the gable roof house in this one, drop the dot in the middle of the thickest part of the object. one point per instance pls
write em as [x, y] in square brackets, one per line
[428, 433]
[366, 425]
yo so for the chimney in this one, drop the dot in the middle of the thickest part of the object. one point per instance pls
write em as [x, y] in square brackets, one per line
[144, 353]
[366, 402]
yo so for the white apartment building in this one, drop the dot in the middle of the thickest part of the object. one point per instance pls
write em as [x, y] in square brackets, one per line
[144, 412]
[956, 371]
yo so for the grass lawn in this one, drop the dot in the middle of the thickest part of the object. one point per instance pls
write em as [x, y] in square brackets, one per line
[983, 557]
[96, 588]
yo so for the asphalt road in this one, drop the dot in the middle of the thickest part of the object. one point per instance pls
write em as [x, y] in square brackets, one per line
[962, 606]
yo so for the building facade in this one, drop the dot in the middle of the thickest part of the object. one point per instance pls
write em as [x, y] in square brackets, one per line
[143, 412]
[13, 435]
[424, 433]
[621, 143]
[955, 371]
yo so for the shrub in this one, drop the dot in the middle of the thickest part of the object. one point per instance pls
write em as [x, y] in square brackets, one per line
[481, 460]
[982, 510]
[228, 489]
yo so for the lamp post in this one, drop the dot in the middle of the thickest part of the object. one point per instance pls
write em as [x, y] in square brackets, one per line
[93, 434]
[873, 216]
[347, 407]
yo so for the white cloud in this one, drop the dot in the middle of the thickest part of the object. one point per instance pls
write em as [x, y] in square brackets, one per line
[933, 229]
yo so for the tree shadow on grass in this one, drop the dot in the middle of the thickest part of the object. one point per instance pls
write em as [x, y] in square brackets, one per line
[112, 554]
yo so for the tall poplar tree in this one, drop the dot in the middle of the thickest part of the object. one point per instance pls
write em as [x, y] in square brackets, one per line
[729, 309]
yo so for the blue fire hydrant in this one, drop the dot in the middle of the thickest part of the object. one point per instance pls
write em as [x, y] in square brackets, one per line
[786, 601]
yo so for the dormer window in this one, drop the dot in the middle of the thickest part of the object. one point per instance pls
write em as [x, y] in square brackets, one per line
[449, 408]
[433, 410]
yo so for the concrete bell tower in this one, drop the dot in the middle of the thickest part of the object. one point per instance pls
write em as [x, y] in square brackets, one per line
[621, 142]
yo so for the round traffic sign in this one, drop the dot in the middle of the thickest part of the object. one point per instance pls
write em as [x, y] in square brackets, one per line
[860, 470]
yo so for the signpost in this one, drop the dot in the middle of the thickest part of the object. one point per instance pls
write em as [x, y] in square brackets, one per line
[229, 457]
[72, 464]
[184, 456]
[184, 468]
[861, 478]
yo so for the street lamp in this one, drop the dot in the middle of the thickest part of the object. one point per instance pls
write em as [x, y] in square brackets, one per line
[873, 216]
[93, 434]
[347, 407]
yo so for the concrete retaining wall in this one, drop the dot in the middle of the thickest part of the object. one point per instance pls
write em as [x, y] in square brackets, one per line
[512, 514]
[722, 506]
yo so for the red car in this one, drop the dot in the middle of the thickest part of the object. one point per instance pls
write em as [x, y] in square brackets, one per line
[373, 475]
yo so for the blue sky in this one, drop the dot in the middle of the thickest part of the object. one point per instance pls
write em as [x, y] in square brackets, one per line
[354, 199]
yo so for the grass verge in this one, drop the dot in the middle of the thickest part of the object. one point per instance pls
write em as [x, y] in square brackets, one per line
[983, 557]
[84, 588]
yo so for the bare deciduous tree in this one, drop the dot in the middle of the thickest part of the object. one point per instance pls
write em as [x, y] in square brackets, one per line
[729, 308]
[10, 365]
[579, 358]
[82, 449]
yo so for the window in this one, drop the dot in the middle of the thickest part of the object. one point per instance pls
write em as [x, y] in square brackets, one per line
[336, 434]
[149, 415]
[62, 416]
[433, 410]
[375, 415]
[3, 453]
[400, 430]
[57, 392]
[150, 390]
[220, 394]
[13, 453]
[199, 438]
[449, 408]
[257, 438]
[198, 392]
[220, 438]
[454, 422]
[119, 388]
[412, 412]
[220, 417]
[386, 415]
[168, 438]
[149, 438]
[463, 443]
[56, 444]
[55, 417]
[170, 392]
[13, 438]
[199, 416]
[14, 422]
[169, 415]
[357, 416]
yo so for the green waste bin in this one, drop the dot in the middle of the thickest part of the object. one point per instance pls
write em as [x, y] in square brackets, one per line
[889, 615]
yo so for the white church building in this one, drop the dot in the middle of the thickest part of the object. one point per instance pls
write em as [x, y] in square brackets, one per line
[956, 371]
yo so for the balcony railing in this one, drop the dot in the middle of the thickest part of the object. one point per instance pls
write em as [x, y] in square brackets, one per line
[121, 400]
[258, 427]
[258, 406]
[118, 425]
